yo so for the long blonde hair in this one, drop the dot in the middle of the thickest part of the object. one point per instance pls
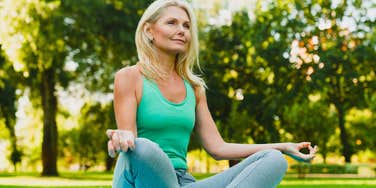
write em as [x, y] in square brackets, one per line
[147, 54]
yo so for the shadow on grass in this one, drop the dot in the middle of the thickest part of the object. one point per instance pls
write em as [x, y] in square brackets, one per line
[14, 186]
[326, 179]
[326, 186]
[87, 175]
[8, 174]
[65, 175]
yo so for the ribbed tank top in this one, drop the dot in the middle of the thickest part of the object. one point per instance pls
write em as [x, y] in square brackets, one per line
[167, 123]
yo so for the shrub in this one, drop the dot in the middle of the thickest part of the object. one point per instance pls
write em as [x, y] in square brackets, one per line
[304, 168]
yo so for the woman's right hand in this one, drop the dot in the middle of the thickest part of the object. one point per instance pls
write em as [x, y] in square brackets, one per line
[293, 150]
[120, 140]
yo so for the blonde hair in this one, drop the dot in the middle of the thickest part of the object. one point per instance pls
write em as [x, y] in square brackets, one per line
[147, 54]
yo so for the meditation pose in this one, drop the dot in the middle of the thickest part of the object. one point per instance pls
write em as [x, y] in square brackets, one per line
[159, 101]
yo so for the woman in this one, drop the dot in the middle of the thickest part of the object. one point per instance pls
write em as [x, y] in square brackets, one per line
[158, 103]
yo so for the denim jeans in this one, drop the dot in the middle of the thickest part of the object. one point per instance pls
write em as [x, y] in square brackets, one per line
[149, 167]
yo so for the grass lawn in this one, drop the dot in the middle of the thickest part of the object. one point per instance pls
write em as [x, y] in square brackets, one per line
[103, 180]
[328, 182]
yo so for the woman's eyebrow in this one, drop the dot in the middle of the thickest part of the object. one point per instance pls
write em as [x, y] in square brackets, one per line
[174, 18]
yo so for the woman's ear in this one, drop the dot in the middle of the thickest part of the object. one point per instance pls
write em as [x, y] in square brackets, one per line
[148, 31]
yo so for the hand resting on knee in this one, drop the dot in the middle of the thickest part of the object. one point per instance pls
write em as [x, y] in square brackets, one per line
[120, 140]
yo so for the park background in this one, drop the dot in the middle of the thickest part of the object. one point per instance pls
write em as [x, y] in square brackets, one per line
[277, 71]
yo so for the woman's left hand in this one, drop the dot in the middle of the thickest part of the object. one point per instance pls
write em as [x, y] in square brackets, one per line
[293, 150]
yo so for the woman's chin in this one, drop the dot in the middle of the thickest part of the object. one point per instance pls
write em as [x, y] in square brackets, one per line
[178, 51]
[175, 51]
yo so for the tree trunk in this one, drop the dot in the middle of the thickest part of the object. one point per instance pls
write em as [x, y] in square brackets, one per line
[8, 112]
[346, 148]
[15, 154]
[50, 136]
[109, 163]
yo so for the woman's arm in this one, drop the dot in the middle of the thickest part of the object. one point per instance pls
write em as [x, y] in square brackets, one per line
[125, 107]
[125, 101]
[215, 145]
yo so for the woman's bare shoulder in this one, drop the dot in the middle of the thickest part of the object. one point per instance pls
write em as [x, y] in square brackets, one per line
[128, 75]
[128, 71]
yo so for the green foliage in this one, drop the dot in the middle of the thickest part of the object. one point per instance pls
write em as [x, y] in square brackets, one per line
[41, 37]
[248, 55]
[32, 35]
[15, 156]
[329, 55]
[88, 143]
[305, 168]
[285, 54]
[363, 127]
[100, 36]
[8, 106]
[312, 121]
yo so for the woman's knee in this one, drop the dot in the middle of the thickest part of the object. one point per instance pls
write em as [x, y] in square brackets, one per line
[144, 149]
[144, 142]
[277, 158]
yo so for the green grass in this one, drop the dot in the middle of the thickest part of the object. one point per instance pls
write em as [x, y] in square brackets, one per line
[103, 180]
[66, 180]
[328, 182]
[62, 186]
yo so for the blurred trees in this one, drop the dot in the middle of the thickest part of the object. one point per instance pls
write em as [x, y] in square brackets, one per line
[252, 69]
[8, 101]
[32, 35]
[42, 38]
[88, 143]
[310, 121]
[100, 36]
[291, 50]
[334, 39]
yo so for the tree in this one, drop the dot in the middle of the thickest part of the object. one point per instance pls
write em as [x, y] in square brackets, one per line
[101, 38]
[361, 125]
[303, 119]
[290, 50]
[8, 106]
[88, 142]
[33, 42]
[337, 59]
[40, 36]
[242, 59]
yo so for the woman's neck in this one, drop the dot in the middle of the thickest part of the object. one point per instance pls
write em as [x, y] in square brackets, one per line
[167, 63]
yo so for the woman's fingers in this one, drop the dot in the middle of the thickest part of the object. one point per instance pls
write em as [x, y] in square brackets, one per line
[123, 145]
[312, 152]
[109, 133]
[315, 149]
[304, 145]
[299, 156]
[116, 141]
[127, 139]
[111, 149]
[131, 144]
[120, 140]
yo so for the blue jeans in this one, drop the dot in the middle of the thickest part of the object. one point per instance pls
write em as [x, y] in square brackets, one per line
[149, 167]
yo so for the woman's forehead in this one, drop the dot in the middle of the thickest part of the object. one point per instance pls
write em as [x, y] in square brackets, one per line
[176, 13]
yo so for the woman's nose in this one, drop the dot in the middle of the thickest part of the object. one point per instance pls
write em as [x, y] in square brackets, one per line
[181, 29]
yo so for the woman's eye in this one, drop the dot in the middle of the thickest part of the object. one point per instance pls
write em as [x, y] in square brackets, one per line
[186, 26]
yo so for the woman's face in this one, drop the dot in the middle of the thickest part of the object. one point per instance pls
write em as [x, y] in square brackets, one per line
[171, 32]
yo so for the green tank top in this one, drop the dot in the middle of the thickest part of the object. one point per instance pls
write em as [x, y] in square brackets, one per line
[166, 123]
